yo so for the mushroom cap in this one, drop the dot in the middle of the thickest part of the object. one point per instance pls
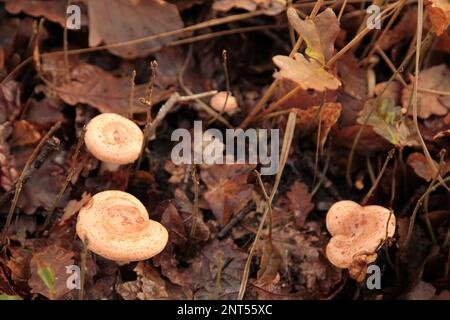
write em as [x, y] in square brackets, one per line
[356, 230]
[115, 225]
[113, 139]
[218, 100]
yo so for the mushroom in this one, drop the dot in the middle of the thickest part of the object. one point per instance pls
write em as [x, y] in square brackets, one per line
[356, 231]
[115, 225]
[218, 102]
[113, 139]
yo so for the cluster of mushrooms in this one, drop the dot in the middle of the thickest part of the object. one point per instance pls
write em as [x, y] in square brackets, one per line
[115, 224]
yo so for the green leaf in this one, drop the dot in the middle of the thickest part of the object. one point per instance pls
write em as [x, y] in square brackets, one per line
[387, 120]
[7, 297]
[48, 278]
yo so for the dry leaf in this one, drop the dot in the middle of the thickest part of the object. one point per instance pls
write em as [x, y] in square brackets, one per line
[24, 133]
[271, 7]
[228, 191]
[114, 21]
[91, 85]
[404, 29]
[421, 166]
[354, 80]
[435, 78]
[439, 14]
[271, 261]
[300, 202]
[329, 115]
[319, 33]
[150, 286]
[48, 271]
[309, 74]
[53, 10]
[73, 206]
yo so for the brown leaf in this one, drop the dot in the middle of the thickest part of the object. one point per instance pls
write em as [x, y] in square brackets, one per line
[114, 21]
[422, 168]
[309, 74]
[73, 206]
[53, 260]
[353, 77]
[329, 115]
[44, 113]
[228, 191]
[53, 10]
[436, 78]
[24, 133]
[300, 202]
[8, 172]
[91, 85]
[439, 14]
[150, 286]
[271, 7]
[319, 33]
[403, 30]
[271, 261]
[9, 92]
[173, 222]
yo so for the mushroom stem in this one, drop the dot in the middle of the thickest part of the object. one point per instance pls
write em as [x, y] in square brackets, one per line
[107, 166]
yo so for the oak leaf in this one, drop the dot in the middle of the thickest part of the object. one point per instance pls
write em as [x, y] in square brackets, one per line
[319, 33]
[309, 74]
[115, 21]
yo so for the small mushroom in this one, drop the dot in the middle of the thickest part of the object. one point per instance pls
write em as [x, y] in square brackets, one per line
[113, 139]
[356, 231]
[115, 225]
[218, 102]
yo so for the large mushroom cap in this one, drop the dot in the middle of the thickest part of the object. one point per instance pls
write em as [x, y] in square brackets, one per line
[115, 225]
[356, 230]
[113, 139]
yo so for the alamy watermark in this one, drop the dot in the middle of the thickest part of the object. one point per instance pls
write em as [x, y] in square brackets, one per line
[73, 21]
[210, 147]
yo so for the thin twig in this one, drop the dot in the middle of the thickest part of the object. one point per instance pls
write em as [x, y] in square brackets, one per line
[288, 137]
[380, 175]
[34, 161]
[56, 200]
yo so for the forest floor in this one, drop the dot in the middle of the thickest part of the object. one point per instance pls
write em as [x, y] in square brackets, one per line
[362, 107]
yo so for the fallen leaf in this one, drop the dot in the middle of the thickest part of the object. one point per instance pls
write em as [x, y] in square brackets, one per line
[271, 261]
[8, 172]
[435, 78]
[403, 30]
[24, 133]
[300, 202]
[115, 21]
[421, 166]
[309, 74]
[150, 286]
[228, 191]
[354, 80]
[271, 7]
[387, 121]
[91, 85]
[439, 14]
[48, 271]
[328, 116]
[53, 10]
[319, 33]
[73, 207]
